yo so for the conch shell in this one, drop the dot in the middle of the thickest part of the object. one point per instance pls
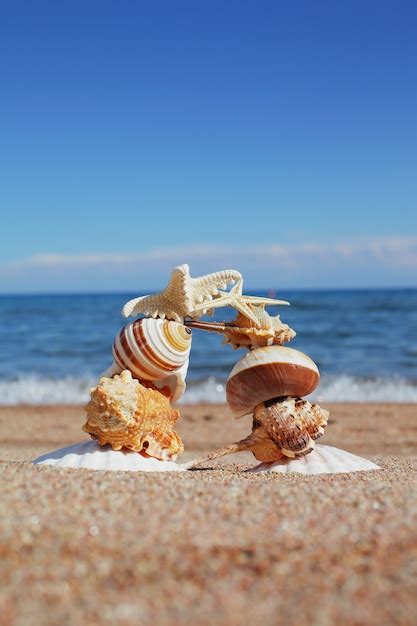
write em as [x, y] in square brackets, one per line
[282, 428]
[125, 414]
[270, 372]
[243, 333]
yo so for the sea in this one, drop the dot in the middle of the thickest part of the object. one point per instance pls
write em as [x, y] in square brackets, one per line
[54, 347]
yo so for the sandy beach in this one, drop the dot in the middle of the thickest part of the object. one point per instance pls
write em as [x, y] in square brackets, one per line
[215, 546]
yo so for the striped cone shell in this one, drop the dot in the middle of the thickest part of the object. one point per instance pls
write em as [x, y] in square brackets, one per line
[152, 349]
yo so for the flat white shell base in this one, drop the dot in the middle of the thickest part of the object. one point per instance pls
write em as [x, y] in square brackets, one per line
[90, 455]
[323, 460]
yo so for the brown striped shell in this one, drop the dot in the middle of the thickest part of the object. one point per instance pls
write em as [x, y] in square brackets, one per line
[152, 349]
[269, 372]
[124, 414]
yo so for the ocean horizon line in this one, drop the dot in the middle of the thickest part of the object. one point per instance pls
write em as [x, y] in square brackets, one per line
[248, 289]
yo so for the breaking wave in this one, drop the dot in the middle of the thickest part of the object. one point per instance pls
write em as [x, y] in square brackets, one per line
[341, 388]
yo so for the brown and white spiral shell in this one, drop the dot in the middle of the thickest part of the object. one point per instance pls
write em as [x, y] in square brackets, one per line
[154, 350]
[269, 372]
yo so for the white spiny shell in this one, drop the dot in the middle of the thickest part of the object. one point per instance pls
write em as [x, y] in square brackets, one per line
[90, 455]
[322, 460]
[269, 372]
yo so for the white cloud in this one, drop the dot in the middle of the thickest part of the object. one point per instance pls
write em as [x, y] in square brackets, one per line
[400, 251]
[301, 262]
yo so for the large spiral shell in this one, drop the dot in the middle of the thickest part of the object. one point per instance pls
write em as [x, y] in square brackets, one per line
[269, 372]
[152, 349]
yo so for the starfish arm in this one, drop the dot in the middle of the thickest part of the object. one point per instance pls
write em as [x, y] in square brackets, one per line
[206, 287]
[224, 277]
[240, 305]
[222, 300]
[129, 309]
[266, 301]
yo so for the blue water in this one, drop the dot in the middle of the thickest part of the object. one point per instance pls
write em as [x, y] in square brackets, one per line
[364, 342]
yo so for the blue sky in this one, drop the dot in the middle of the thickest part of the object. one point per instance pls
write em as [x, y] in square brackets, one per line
[277, 138]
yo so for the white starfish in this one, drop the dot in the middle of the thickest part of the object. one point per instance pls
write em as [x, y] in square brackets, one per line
[184, 296]
[241, 303]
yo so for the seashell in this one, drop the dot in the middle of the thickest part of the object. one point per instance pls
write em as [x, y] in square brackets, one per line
[323, 460]
[154, 350]
[282, 428]
[125, 414]
[90, 455]
[270, 372]
[192, 297]
[243, 333]
[293, 424]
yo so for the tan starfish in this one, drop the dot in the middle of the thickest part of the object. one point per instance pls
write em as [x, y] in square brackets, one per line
[241, 302]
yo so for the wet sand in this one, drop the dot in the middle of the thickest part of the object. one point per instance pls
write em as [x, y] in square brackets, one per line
[215, 546]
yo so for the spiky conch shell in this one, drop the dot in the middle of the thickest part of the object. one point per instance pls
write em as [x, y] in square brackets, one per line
[243, 333]
[291, 424]
[125, 414]
[248, 336]
[282, 428]
[269, 372]
[157, 353]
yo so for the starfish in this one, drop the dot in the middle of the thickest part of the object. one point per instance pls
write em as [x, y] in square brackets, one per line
[242, 303]
[184, 296]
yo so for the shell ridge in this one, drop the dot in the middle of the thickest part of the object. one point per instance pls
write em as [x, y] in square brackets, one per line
[319, 463]
[149, 341]
[356, 462]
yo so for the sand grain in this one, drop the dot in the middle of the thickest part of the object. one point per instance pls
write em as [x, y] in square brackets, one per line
[208, 547]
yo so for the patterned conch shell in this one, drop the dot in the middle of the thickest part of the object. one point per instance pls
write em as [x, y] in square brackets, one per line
[282, 428]
[154, 350]
[125, 414]
[292, 424]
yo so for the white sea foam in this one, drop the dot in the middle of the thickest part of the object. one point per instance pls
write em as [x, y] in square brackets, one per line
[37, 390]
[344, 388]
[341, 388]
